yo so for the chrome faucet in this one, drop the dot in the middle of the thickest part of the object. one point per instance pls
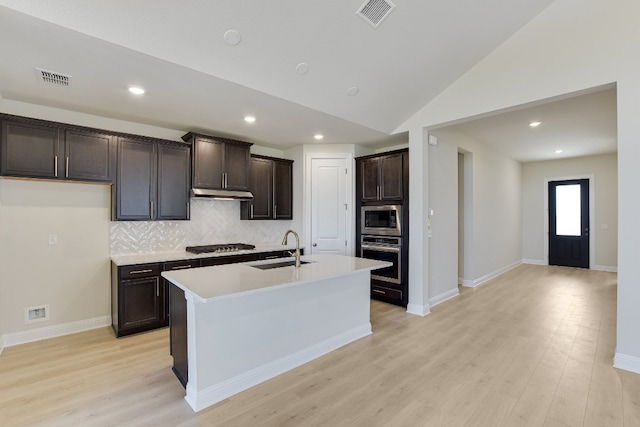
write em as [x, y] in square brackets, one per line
[295, 253]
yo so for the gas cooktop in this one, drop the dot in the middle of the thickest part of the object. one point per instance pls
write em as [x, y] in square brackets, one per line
[224, 247]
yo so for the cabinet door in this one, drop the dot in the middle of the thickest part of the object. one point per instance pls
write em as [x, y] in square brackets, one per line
[135, 178]
[173, 182]
[208, 160]
[236, 166]
[262, 188]
[391, 177]
[89, 156]
[283, 189]
[369, 173]
[141, 303]
[30, 150]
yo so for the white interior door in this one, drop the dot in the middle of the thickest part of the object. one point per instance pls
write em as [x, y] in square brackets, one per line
[329, 213]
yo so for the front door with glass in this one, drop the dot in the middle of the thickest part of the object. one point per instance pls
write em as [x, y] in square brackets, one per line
[569, 223]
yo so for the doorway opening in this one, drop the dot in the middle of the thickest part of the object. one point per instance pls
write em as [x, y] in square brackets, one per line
[569, 223]
[465, 217]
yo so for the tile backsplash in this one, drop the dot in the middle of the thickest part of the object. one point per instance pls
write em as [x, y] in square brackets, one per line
[212, 221]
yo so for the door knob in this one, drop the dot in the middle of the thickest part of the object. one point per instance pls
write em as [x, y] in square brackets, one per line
[315, 244]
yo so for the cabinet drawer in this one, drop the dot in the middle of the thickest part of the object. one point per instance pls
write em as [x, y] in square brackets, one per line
[383, 292]
[230, 259]
[180, 265]
[139, 270]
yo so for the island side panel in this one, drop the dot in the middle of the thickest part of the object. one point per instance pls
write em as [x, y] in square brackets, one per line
[178, 333]
[235, 343]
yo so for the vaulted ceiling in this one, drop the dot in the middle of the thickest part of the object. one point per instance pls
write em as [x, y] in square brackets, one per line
[197, 79]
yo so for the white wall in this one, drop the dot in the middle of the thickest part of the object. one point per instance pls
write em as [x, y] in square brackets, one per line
[443, 243]
[572, 46]
[605, 172]
[73, 277]
[495, 241]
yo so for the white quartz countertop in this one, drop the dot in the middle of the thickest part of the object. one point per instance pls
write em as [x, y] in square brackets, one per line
[133, 259]
[206, 284]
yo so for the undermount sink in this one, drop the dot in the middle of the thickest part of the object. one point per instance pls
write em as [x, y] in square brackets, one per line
[278, 264]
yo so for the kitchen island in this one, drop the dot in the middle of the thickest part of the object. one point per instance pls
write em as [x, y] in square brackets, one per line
[245, 323]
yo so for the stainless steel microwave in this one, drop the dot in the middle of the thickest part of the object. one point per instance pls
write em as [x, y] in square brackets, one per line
[382, 220]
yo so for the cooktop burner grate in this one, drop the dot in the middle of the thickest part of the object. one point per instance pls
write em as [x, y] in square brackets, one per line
[224, 247]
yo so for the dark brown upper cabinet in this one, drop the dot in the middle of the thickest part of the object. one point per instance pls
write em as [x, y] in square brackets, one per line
[272, 189]
[283, 189]
[89, 156]
[38, 149]
[381, 177]
[153, 181]
[219, 163]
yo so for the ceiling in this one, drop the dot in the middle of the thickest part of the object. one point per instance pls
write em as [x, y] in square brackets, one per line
[579, 125]
[195, 81]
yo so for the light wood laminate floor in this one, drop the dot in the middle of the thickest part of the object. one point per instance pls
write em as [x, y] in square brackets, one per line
[533, 347]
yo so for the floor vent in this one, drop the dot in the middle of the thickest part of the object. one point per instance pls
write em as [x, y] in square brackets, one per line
[374, 11]
[54, 78]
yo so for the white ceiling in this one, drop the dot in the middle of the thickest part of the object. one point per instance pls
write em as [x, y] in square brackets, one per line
[580, 125]
[197, 82]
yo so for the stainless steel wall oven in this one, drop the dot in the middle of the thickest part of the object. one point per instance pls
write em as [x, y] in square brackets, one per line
[384, 248]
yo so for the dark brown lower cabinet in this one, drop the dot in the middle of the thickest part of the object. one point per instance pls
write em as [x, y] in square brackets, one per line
[143, 303]
[138, 299]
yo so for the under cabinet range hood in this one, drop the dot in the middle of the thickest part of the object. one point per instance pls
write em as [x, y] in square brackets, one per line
[221, 194]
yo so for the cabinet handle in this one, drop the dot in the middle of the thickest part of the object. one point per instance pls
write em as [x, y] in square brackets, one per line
[180, 267]
[66, 168]
[140, 271]
[272, 257]
[275, 211]
[157, 289]
[188, 210]
[378, 292]
[226, 180]
[151, 209]
[55, 166]
[251, 209]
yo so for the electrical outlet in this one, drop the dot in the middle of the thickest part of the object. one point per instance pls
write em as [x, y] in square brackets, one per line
[53, 239]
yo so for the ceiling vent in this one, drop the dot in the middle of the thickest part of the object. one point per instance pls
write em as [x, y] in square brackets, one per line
[53, 78]
[374, 11]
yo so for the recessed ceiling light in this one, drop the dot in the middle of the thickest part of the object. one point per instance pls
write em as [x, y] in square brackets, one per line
[558, 151]
[136, 90]
[249, 119]
[318, 136]
[302, 68]
[535, 124]
[232, 37]
[353, 91]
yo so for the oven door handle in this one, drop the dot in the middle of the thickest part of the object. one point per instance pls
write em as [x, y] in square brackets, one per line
[381, 248]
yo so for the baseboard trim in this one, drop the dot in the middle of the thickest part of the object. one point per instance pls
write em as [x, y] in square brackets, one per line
[607, 268]
[627, 363]
[418, 310]
[216, 393]
[481, 280]
[534, 261]
[439, 299]
[53, 331]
